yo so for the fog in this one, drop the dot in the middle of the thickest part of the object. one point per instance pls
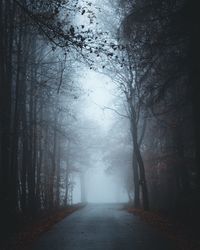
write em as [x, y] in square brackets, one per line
[103, 188]
[100, 186]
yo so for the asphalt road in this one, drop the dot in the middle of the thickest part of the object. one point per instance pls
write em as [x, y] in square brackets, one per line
[102, 227]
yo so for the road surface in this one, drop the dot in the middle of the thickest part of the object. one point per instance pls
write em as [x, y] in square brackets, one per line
[102, 227]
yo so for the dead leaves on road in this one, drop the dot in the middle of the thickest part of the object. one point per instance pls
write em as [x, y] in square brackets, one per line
[30, 231]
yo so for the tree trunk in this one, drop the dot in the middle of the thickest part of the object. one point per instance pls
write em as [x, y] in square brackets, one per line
[83, 191]
[136, 181]
[58, 177]
[53, 170]
[193, 27]
[134, 131]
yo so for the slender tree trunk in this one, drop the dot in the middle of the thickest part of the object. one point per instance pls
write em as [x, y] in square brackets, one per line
[58, 176]
[66, 185]
[15, 126]
[32, 141]
[24, 160]
[23, 118]
[83, 190]
[53, 170]
[182, 172]
[134, 131]
[193, 26]
[136, 181]
[67, 175]
[46, 170]
[40, 160]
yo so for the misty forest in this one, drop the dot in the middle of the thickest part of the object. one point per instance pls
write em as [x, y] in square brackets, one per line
[99, 124]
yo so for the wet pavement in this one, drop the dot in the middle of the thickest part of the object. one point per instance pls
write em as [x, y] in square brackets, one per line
[102, 227]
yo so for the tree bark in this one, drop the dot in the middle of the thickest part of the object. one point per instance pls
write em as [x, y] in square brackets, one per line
[134, 131]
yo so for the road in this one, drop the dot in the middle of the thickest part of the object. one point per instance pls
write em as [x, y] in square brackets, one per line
[102, 227]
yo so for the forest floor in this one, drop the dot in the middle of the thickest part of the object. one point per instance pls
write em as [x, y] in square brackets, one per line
[185, 235]
[30, 229]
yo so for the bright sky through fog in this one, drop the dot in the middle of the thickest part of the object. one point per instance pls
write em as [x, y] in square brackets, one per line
[99, 89]
[98, 85]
